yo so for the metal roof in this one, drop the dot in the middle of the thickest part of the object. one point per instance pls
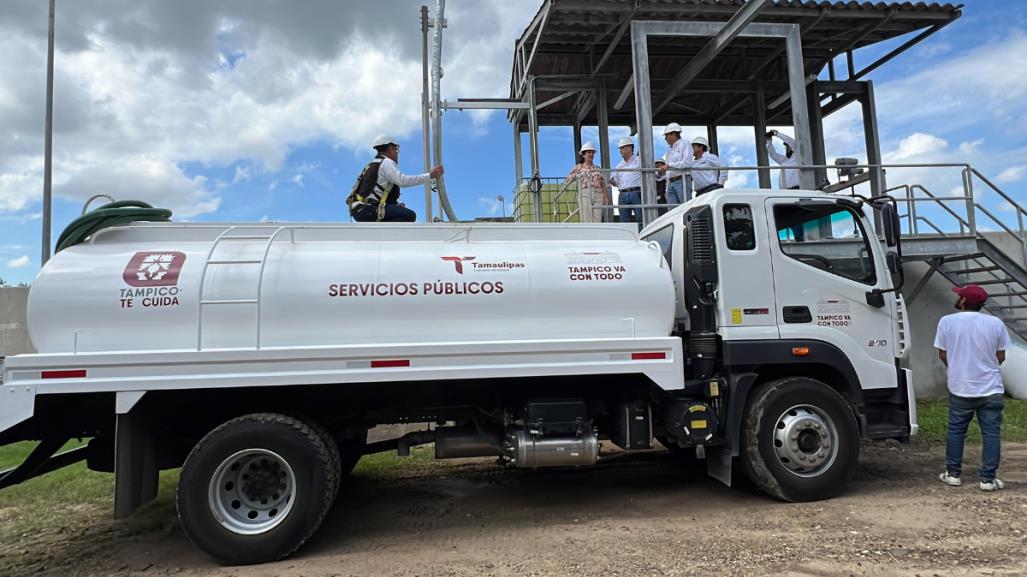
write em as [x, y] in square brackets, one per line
[592, 39]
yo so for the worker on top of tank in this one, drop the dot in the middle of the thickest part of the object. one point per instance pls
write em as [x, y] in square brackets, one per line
[789, 178]
[375, 195]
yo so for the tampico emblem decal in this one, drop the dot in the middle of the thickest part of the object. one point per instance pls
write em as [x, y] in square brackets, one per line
[148, 269]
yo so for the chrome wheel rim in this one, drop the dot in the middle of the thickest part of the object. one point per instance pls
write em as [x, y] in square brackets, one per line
[805, 441]
[252, 491]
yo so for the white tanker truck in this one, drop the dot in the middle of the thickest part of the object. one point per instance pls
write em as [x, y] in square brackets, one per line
[752, 328]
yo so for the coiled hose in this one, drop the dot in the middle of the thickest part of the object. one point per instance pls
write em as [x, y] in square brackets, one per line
[108, 215]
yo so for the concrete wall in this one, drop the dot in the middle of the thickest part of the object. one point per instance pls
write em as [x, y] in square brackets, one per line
[14, 335]
[933, 302]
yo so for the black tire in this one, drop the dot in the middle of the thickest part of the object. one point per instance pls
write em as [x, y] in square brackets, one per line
[350, 452]
[802, 411]
[243, 448]
[334, 456]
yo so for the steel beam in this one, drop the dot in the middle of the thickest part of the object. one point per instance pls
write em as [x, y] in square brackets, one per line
[625, 92]
[816, 131]
[534, 47]
[484, 105]
[728, 32]
[518, 156]
[604, 124]
[800, 114]
[873, 142]
[643, 115]
[759, 108]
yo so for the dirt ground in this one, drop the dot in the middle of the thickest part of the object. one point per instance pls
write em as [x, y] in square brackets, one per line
[633, 515]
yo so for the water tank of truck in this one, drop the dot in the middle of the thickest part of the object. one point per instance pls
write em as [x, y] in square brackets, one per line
[140, 287]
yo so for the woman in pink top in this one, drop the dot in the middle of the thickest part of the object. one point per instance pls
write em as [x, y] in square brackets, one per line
[592, 189]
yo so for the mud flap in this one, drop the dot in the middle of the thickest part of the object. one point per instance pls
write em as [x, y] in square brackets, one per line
[135, 463]
[718, 464]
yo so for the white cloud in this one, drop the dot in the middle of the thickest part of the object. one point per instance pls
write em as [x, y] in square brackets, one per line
[297, 179]
[1012, 174]
[20, 262]
[152, 84]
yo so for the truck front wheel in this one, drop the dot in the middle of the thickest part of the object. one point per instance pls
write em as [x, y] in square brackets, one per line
[801, 440]
[256, 488]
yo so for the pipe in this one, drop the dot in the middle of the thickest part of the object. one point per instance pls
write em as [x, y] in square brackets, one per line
[425, 113]
[436, 108]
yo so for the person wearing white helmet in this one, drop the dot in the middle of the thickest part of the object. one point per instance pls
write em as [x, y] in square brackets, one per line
[677, 156]
[592, 190]
[628, 181]
[704, 165]
[375, 195]
[661, 184]
[789, 177]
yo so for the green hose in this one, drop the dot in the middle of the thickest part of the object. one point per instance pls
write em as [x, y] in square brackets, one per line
[108, 215]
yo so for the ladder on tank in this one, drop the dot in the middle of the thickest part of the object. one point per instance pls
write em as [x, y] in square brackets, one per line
[261, 262]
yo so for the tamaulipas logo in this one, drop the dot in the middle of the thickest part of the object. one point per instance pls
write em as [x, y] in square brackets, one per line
[482, 266]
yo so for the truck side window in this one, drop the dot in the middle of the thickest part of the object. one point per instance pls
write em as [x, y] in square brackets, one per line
[665, 238]
[829, 237]
[738, 227]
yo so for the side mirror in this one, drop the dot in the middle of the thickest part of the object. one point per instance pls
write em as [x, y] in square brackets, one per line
[894, 262]
[891, 225]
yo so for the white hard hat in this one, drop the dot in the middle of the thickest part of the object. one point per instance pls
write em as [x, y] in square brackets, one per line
[626, 141]
[587, 146]
[672, 127]
[701, 140]
[662, 159]
[382, 140]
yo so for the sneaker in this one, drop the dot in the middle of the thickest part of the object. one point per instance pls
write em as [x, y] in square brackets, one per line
[992, 485]
[955, 481]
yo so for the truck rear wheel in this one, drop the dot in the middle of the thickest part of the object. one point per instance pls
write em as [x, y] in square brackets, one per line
[256, 488]
[801, 440]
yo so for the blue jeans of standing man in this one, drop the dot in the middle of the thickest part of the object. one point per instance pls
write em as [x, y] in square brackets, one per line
[989, 417]
[675, 192]
[630, 213]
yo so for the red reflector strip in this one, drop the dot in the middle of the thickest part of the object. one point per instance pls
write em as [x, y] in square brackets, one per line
[391, 363]
[647, 356]
[69, 374]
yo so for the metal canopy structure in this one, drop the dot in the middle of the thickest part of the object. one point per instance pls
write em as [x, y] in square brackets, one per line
[590, 39]
[708, 63]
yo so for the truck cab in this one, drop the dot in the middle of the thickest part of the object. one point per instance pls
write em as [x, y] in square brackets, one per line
[793, 283]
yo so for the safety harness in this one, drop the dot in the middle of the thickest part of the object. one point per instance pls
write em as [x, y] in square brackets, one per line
[367, 192]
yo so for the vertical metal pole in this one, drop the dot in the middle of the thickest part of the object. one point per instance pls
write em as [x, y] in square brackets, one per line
[644, 118]
[604, 124]
[518, 155]
[759, 109]
[48, 144]
[872, 138]
[577, 137]
[425, 123]
[711, 136]
[436, 108]
[971, 215]
[533, 143]
[816, 130]
[800, 114]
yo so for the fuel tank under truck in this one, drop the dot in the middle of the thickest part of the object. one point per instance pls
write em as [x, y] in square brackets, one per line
[173, 286]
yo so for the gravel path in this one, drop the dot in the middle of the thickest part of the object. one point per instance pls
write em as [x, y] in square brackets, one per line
[635, 515]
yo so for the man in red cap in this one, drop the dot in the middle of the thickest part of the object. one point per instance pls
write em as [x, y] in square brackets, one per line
[973, 345]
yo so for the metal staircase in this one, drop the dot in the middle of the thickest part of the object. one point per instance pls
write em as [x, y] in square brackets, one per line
[967, 256]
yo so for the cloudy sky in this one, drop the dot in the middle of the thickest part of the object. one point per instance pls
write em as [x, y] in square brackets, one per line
[244, 110]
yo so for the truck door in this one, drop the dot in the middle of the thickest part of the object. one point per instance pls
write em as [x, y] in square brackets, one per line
[824, 264]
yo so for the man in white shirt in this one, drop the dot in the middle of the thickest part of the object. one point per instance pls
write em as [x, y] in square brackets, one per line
[704, 165]
[789, 177]
[973, 345]
[677, 158]
[375, 195]
[628, 183]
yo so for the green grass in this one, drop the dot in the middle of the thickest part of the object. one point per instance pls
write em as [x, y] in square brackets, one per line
[933, 416]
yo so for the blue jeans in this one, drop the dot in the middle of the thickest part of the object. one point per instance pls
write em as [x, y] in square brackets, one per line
[630, 214]
[989, 417]
[675, 192]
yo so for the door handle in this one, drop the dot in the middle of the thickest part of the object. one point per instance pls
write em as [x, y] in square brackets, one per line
[799, 314]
